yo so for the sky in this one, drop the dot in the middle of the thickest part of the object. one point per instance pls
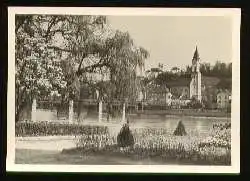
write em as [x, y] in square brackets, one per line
[172, 40]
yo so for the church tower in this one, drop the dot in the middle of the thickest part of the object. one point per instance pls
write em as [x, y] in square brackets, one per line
[195, 84]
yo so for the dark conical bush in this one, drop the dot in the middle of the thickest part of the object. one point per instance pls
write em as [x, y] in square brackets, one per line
[180, 130]
[125, 137]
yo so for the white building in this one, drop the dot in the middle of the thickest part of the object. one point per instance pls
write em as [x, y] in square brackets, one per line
[223, 99]
[195, 84]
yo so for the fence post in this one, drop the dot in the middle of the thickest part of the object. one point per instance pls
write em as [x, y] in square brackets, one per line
[136, 107]
[71, 111]
[100, 111]
[33, 111]
[123, 113]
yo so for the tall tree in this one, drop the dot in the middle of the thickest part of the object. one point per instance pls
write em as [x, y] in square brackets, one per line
[38, 69]
[59, 52]
[123, 58]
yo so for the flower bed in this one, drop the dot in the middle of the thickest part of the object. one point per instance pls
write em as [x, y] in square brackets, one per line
[220, 137]
[161, 144]
[53, 129]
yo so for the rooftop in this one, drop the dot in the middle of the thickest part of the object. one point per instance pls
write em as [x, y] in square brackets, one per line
[179, 82]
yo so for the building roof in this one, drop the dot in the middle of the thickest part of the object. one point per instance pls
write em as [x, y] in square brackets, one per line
[196, 56]
[205, 81]
[209, 81]
[225, 83]
[180, 82]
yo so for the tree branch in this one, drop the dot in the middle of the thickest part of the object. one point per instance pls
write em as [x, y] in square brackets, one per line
[91, 68]
[60, 49]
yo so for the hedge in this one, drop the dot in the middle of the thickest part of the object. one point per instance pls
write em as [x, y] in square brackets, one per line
[53, 129]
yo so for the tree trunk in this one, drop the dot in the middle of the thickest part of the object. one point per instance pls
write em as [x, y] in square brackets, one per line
[17, 115]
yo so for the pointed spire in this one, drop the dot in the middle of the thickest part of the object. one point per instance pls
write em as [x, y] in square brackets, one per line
[196, 55]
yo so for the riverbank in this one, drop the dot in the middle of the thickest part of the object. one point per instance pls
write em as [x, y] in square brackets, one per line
[184, 112]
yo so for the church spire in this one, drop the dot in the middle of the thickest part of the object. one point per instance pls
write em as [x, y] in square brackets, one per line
[196, 56]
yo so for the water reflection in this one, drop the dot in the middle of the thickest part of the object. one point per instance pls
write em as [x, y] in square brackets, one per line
[192, 124]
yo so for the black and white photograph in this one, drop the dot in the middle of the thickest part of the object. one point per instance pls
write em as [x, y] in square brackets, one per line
[123, 90]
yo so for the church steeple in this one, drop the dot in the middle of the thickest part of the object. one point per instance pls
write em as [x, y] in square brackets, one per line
[196, 56]
[195, 84]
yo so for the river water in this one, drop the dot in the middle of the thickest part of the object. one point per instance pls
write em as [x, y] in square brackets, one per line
[196, 124]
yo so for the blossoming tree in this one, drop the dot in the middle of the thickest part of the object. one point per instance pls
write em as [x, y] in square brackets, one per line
[54, 53]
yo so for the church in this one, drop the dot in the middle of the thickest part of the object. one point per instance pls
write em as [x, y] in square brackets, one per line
[182, 88]
[188, 87]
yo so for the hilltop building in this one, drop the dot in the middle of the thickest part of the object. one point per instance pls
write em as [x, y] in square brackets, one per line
[188, 87]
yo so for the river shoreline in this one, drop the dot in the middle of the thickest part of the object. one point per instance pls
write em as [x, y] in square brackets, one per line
[186, 113]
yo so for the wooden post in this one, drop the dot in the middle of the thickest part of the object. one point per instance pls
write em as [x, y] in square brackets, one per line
[100, 111]
[71, 111]
[33, 111]
[123, 113]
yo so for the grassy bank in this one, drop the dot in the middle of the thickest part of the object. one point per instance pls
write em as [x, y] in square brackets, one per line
[28, 156]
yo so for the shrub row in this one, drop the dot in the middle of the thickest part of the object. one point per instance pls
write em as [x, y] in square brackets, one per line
[53, 129]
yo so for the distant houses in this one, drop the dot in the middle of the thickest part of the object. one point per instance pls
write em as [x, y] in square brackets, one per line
[181, 90]
[223, 99]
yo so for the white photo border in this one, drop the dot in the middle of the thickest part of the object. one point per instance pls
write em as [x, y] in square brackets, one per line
[234, 14]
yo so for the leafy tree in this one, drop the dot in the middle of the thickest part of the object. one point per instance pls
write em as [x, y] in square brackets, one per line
[38, 69]
[205, 68]
[219, 69]
[55, 53]
[123, 59]
[175, 69]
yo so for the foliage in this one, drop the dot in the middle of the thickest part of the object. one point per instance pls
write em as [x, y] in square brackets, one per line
[56, 53]
[195, 104]
[180, 129]
[38, 70]
[125, 137]
[168, 76]
[219, 69]
[52, 129]
[123, 59]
